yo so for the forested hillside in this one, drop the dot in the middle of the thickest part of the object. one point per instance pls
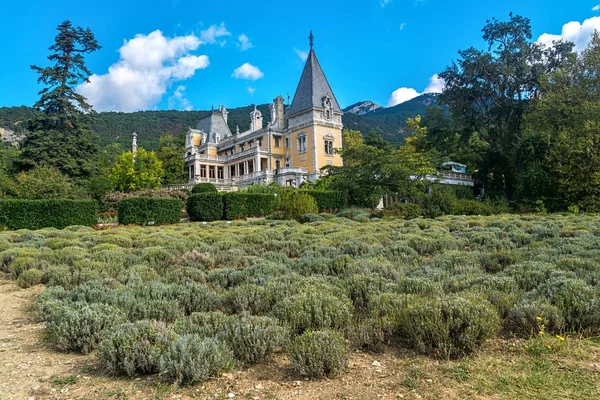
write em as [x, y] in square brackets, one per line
[117, 127]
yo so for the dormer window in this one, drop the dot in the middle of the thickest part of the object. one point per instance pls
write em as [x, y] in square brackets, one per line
[327, 108]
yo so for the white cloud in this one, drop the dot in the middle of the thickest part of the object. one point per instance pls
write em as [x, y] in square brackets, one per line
[213, 33]
[404, 94]
[385, 3]
[178, 101]
[147, 67]
[302, 54]
[596, 8]
[402, 26]
[251, 90]
[575, 32]
[247, 71]
[436, 85]
[244, 43]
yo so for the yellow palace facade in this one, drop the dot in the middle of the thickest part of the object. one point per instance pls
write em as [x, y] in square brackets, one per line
[289, 149]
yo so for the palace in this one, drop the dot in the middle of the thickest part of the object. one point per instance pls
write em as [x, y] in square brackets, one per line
[292, 148]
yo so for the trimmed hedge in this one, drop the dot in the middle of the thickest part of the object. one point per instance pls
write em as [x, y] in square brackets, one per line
[247, 205]
[141, 210]
[204, 188]
[327, 200]
[205, 207]
[38, 214]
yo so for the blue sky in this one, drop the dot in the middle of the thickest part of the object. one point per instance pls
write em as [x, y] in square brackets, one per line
[381, 50]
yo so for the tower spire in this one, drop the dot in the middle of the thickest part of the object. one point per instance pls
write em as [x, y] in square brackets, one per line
[311, 38]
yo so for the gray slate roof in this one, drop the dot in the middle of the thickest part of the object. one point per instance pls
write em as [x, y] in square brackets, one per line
[312, 88]
[213, 123]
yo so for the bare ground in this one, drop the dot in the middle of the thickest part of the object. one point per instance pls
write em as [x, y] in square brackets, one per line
[31, 369]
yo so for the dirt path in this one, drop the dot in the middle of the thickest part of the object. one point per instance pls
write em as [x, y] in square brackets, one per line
[27, 367]
[30, 369]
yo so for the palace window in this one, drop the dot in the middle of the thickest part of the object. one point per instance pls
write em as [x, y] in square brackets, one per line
[302, 147]
[277, 141]
[286, 142]
[287, 162]
[203, 171]
[220, 173]
[328, 142]
[211, 172]
[327, 107]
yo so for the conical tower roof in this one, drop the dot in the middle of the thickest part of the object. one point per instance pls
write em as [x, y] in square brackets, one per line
[313, 87]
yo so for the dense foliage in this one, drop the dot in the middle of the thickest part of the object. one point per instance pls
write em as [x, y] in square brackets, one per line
[144, 210]
[204, 187]
[205, 207]
[239, 205]
[328, 200]
[37, 214]
[142, 170]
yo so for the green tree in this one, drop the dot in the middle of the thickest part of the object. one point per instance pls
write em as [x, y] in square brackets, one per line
[8, 155]
[59, 135]
[170, 153]
[142, 171]
[371, 171]
[46, 182]
[489, 92]
[565, 125]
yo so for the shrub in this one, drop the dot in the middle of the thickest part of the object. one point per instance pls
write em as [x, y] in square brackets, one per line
[252, 338]
[440, 202]
[578, 302]
[530, 274]
[133, 348]
[319, 354]
[197, 297]
[110, 202]
[79, 326]
[38, 214]
[158, 309]
[498, 261]
[293, 205]
[30, 277]
[204, 188]
[191, 359]
[205, 207]
[314, 310]
[240, 205]
[142, 210]
[404, 210]
[249, 298]
[202, 323]
[45, 182]
[471, 207]
[447, 327]
[327, 200]
[371, 334]
[525, 317]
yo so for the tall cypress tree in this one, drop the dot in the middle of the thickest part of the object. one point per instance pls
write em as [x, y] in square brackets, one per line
[60, 134]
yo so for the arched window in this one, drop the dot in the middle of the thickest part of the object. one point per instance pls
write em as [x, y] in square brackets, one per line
[328, 145]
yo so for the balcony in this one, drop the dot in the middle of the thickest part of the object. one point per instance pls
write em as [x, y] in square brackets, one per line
[456, 176]
[224, 159]
[292, 170]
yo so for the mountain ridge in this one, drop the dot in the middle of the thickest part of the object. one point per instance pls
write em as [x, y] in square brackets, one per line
[117, 127]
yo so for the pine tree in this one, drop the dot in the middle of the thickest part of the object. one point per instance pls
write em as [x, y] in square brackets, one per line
[60, 135]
